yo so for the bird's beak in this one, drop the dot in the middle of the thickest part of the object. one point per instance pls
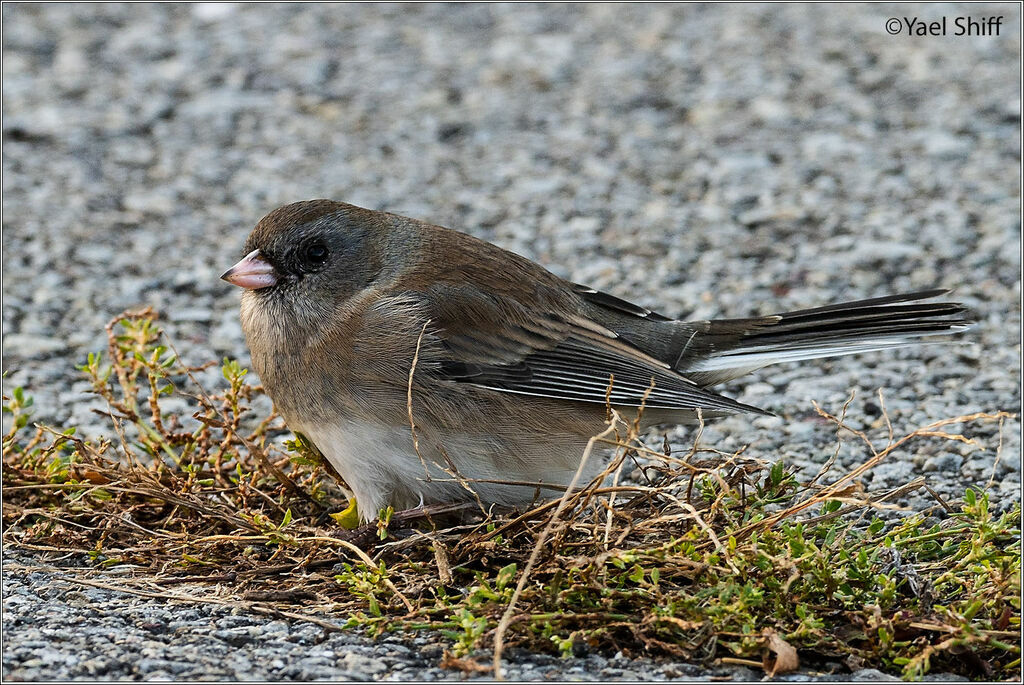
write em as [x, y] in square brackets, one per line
[252, 273]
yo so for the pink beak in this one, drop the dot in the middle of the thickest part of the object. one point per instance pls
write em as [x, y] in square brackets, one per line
[252, 272]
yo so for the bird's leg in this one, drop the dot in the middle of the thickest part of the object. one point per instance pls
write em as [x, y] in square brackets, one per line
[426, 511]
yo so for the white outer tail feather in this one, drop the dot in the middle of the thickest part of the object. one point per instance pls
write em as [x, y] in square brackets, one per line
[758, 356]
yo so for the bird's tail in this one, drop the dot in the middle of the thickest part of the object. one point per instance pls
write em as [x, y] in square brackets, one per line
[716, 351]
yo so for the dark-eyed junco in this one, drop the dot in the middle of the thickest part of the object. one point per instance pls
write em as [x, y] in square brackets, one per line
[513, 363]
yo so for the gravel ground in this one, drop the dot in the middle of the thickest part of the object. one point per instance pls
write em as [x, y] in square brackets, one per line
[701, 160]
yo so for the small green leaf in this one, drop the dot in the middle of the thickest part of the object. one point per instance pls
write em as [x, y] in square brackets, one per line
[505, 576]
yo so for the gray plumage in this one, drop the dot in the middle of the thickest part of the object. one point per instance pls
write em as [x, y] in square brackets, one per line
[515, 365]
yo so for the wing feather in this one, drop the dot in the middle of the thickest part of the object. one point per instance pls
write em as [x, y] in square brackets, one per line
[499, 344]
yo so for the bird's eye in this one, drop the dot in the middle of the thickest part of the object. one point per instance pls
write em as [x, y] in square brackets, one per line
[316, 254]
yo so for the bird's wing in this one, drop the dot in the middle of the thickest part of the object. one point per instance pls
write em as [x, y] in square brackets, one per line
[616, 304]
[496, 342]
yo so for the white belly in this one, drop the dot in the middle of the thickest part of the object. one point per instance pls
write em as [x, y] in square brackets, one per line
[381, 466]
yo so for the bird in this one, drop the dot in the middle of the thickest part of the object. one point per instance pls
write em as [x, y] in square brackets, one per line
[431, 367]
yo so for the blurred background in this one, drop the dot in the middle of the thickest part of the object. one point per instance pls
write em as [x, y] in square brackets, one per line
[700, 160]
